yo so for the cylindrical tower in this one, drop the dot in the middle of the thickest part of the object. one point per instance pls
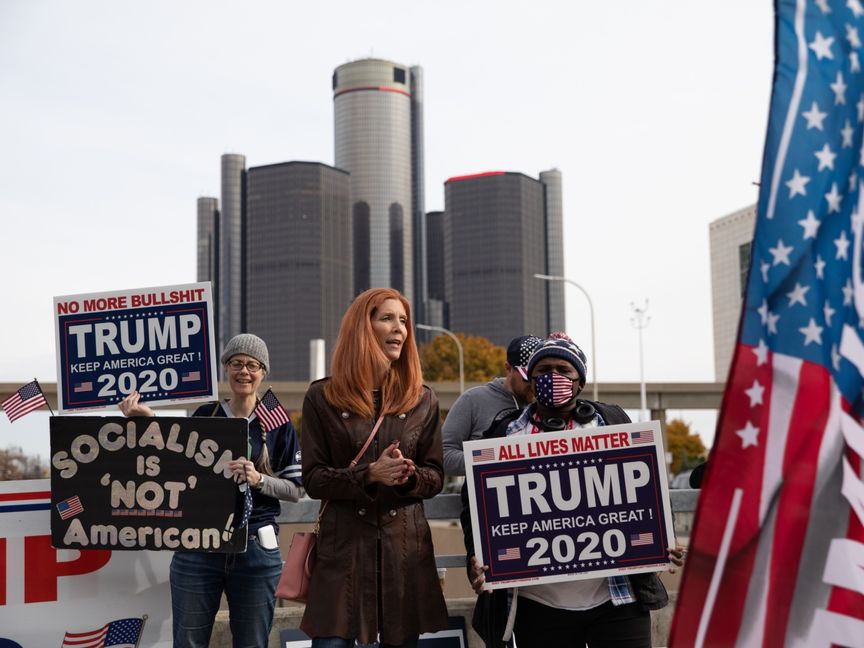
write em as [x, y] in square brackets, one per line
[232, 266]
[373, 138]
[555, 247]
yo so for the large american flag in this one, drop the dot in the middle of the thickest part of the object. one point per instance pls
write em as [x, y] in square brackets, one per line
[778, 548]
[123, 633]
[22, 402]
[270, 412]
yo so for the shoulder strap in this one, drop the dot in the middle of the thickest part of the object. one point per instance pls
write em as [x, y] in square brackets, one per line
[352, 464]
[368, 440]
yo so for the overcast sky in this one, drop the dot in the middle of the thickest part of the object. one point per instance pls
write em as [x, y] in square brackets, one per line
[114, 115]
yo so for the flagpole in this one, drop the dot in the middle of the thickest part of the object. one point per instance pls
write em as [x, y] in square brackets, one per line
[43, 394]
[141, 634]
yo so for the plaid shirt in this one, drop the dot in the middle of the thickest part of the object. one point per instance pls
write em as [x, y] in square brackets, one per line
[619, 586]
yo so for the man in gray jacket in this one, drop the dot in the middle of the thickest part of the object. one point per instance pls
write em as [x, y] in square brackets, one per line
[474, 411]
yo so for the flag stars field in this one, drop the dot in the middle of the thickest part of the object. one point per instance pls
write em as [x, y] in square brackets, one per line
[842, 244]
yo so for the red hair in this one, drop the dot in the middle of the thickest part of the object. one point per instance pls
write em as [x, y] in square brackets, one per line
[358, 360]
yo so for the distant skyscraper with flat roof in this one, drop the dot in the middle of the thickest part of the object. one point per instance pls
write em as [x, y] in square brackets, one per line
[497, 228]
[232, 244]
[298, 260]
[731, 238]
[291, 278]
[378, 118]
[208, 247]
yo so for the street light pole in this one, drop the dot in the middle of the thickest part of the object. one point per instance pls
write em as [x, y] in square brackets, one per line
[640, 321]
[545, 277]
[428, 327]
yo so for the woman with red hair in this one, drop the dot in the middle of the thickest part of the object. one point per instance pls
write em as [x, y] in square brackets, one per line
[375, 578]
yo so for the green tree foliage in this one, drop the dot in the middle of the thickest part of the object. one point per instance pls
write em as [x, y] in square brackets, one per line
[14, 464]
[440, 359]
[686, 447]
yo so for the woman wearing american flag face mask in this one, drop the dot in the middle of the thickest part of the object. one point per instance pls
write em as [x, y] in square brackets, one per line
[273, 471]
[593, 612]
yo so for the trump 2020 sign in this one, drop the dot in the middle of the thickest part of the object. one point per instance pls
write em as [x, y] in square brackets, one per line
[156, 341]
[570, 505]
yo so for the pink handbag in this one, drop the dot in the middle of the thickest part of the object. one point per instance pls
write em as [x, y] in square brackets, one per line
[300, 561]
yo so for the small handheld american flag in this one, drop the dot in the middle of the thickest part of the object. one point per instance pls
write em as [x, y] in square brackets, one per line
[270, 412]
[27, 399]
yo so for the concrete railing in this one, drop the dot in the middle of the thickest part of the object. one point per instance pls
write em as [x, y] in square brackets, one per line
[447, 507]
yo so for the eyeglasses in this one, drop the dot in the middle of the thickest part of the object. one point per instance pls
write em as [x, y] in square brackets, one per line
[252, 366]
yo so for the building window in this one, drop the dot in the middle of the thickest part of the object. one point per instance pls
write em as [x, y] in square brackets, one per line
[397, 252]
[399, 75]
[743, 265]
[335, 80]
[361, 247]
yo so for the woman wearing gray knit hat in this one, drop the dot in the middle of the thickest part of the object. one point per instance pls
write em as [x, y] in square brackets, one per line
[273, 471]
[592, 612]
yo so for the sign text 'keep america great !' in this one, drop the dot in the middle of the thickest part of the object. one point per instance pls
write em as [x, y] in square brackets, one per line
[156, 341]
[570, 505]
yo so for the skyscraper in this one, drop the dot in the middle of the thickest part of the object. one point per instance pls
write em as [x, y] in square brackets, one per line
[298, 260]
[378, 117]
[436, 305]
[731, 238]
[232, 266]
[555, 247]
[208, 247]
[496, 235]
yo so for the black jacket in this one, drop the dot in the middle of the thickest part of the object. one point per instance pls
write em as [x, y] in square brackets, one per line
[491, 609]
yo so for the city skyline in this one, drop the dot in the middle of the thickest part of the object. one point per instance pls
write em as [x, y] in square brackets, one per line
[656, 124]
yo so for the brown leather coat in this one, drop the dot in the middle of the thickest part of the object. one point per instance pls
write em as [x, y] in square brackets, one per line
[345, 598]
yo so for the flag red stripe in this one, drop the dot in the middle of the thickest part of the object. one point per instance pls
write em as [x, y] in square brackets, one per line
[800, 465]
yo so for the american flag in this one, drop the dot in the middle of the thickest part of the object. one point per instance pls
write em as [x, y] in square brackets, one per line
[486, 454]
[270, 412]
[83, 387]
[123, 633]
[779, 536]
[642, 437]
[512, 553]
[24, 401]
[641, 539]
[190, 376]
[69, 507]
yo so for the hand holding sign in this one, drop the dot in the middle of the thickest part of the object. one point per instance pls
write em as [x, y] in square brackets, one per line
[130, 406]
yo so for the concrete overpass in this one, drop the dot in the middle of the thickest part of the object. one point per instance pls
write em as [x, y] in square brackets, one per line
[660, 396]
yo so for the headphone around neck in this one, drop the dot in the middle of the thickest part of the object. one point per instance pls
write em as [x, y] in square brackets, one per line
[583, 413]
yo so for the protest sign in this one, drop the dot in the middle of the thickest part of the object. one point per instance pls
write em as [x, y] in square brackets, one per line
[147, 483]
[156, 341]
[54, 597]
[570, 505]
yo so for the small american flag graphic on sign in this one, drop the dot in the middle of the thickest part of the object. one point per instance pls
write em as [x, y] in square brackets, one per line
[190, 376]
[642, 437]
[511, 553]
[69, 508]
[641, 539]
[486, 454]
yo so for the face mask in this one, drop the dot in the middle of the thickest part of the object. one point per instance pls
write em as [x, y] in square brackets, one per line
[552, 389]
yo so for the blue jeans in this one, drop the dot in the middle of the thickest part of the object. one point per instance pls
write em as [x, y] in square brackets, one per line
[339, 642]
[249, 581]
